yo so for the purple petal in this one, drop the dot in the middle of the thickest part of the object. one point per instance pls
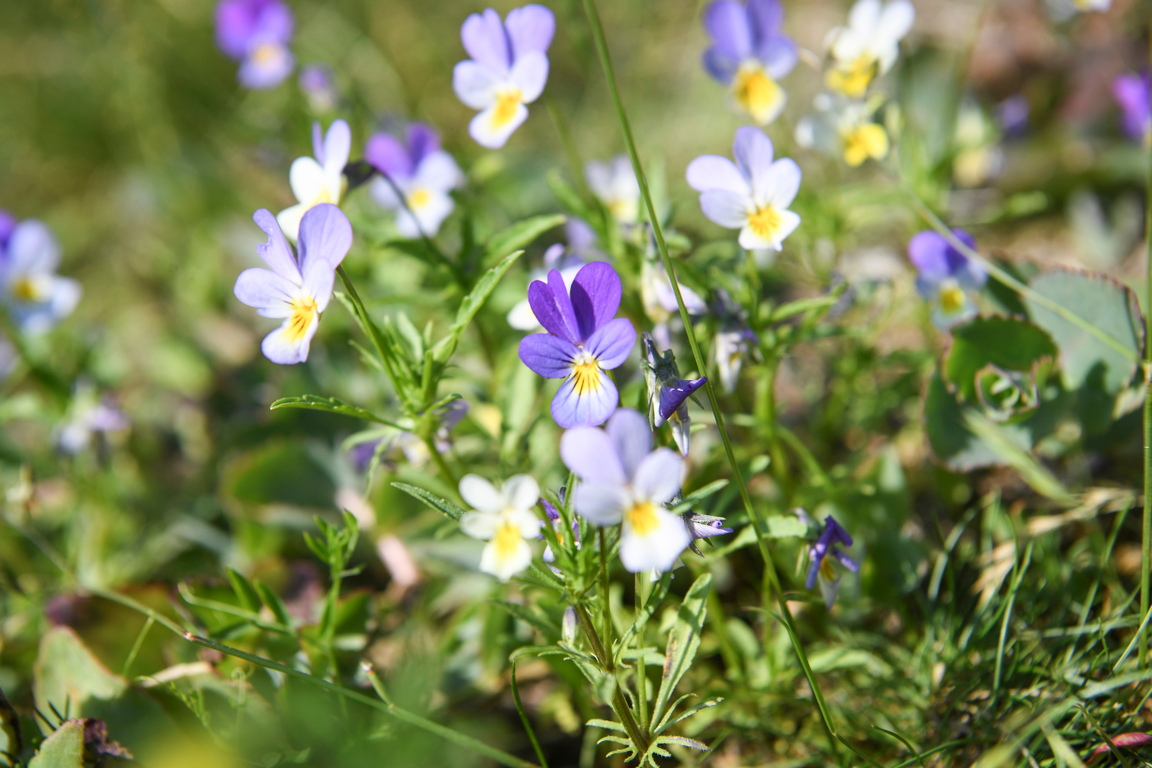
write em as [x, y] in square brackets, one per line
[1132, 94]
[778, 54]
[547, 355]
[727, 22]
[766, 17]
[715, 172]
[591, 454]
[276, 253]
[274, 23]
[553, 307]
[845, 561]
[32, 249]
[265, 290]
[595, 296]
[587, 406]
[720, 65]
[612, 343]
[632, 438]
[753, 152]
[7, 225]
[269, 68]
[386, 154]
[318, 142]
[486, 42]
[234, 24]
[728, 209]
[325, 235]
[530, 29]
[675, 395]
[422, 142]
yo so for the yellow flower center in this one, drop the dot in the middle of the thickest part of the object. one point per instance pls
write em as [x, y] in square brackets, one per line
[862, 142]
[266, 53]
[826, 569]
[323, 196]
[641, 518]
[507, 541]
[27, 289]
[304, 311]
[951, 299]
[765, 222]
[586, 374]
[756, 93]
[507, 102]
[853, 79]
[419, 198]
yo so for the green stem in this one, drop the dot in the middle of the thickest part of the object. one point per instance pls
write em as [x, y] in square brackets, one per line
[441, 464]
[1146, 526]
[573, 157]
[619, 704]
[757, 523]
[368, 326]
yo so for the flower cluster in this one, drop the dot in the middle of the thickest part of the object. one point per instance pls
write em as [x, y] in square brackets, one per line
[256, 33]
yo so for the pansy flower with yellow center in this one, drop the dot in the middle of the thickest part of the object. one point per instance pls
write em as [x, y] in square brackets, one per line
[256, 33]
[614, 184]
[507, 71]
[34, 296]
[504, 518]
[584, 338]
[823, 552]
[749, 54]
[752, 194]
[945, 276]
[624, 482]
[297, 288]
[844, 128]
[868, 46]
[416, 179]
[318, 179]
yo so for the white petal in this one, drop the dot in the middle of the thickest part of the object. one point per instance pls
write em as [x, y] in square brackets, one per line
[782, 182]
[727, 209]
[521, 492]
[530, 73]
[658, 548]
[491, 133]
[601, 503]
[438, 171]
[475, 85]
[506, 561]
[895, 22]
[715, 172]
[659, 476]
[481, 494]
[307, 179]
[480, 525]
[289, 220]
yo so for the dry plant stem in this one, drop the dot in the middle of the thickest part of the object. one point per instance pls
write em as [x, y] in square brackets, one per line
[771, 575]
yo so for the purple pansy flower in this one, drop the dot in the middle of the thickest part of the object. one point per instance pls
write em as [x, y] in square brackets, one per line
[418, 177]
[752, 194]
[622, 480]
[508, 69]
[821, 554]
[297, 287]
[256, 33]
[31, 291]
[667, 393]
[583, 339]
[750, 54]
[945, 276]
[1134, 95]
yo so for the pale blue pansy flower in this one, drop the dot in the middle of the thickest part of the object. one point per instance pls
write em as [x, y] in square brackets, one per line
[945, 276]
[750, 54]
[256, 33]
[35, 297]
[416, 179]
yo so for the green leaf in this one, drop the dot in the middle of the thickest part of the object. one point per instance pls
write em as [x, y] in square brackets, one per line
[432, 500]
[471, 305]
[785, 527]
[1106, 356]
[331, 405]
[244, 590]
[530, 617]
[518, 236]
[699, 495]
[683, 641]
[1004, 342]
[63, 749]
[275, 604]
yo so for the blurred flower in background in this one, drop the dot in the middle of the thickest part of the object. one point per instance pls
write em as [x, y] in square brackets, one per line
[504, 518]
[89, 417]
[750, 54]
[823, 552]
[868, 46]
[945, 276]
[614, 184]
[318, 84]
[1134, 95]
[256, 33]
[417, 178]
[34, 296]
[508, 69]
[318, 179]
[844, 129]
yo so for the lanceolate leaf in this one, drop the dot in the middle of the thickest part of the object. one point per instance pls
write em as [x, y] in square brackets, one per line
[471, 305]
[330, 404]
[683, 641]
[518, 236]
[432, 500]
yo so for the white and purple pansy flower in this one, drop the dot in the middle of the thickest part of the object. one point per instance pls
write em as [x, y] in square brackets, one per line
[417, 179]
[750, 54]
[945, 276]
[504, 518]
[35, 297]
[297, 287]
[318, 179]
[623, 481]
[822, 553]
[508, 69]
[751, 194]
[256, 33]
[583, 339]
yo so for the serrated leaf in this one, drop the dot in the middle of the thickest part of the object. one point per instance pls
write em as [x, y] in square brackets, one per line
[519, 235]
[329, 404]
[683, 642]
[1004, 342]
[244, 590]
[471, 305]
[64, 748]
[1105, 357]
[432, 500]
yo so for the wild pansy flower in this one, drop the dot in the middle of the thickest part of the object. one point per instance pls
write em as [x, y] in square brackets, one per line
[843, 128]
[823, 552]
[504, 518]
[732, 341]
[568, 259]
[752, 194]
[318, 83]
[90, 416]
[418, 176]
[614, 184]
[623, 481]
[508, 69]
[35, 297]
[868, 46]
[1134, 95]
[749, 54]
[297, 287]
[667, 393]
[945, 276]
[583, 339]
[318, 179]
[256, 33]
